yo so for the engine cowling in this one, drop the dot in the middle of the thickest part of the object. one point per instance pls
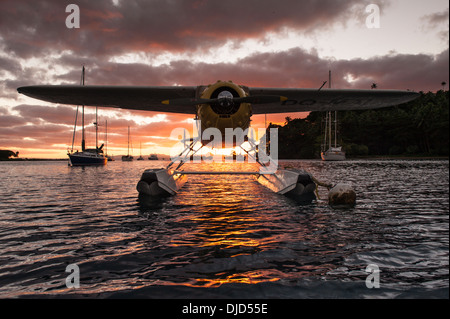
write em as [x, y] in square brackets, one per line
[224, 113]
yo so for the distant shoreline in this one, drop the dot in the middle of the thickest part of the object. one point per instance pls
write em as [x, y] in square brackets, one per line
[32, 159]
[399, 157]
[379, 157]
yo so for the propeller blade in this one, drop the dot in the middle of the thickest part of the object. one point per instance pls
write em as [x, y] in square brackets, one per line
[188, 102]
[258, 99]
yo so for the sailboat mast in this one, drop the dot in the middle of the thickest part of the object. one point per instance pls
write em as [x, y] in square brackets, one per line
[335, 128]
[329, 128]
[96, 128]
[128, 141]
[324, 145]
[335, 118]
[83, 142]
[329, 79]
[106, 137]
[74, 130]
[329, 113]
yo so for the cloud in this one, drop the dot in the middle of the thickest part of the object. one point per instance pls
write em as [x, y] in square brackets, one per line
[37, 48]
[438, 18]
[36, 113]
[419, 72]
[40, 49]
[11, 121]
[292, 68]
[28, 29]
[21, 136]
[438, 21]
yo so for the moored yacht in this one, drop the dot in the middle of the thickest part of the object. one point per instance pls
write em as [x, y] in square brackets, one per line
[86, 156]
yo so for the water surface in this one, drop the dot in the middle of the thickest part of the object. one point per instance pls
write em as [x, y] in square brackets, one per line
[223, 236]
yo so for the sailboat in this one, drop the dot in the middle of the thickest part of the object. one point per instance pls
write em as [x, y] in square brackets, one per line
[108, 157]
[128, 157]
[333, 153]
[87, 156]
[140, 158]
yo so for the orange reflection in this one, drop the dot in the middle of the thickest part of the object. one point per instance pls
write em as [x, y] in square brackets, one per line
[227, 222]
[250, 278]
[241, 230]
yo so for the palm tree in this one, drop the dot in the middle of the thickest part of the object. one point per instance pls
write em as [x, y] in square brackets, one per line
[443, 83]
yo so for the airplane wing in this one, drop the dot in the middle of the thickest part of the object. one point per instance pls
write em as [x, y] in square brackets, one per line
[145, 98]
[150, 98]
[305, 100]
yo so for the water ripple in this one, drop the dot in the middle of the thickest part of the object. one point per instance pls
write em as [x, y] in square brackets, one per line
[223, 237]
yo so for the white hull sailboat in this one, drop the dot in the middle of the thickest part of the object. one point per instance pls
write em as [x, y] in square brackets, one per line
[333, 152]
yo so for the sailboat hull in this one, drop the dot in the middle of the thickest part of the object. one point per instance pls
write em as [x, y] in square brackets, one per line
[333, 155]
[88, 157]
[85, 159]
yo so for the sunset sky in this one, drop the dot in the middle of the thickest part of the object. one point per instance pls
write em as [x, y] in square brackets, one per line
[264, 43]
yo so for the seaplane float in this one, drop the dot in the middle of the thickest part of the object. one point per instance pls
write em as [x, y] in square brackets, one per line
[220, 108]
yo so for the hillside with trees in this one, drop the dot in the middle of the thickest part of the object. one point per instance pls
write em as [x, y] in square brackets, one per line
[7, 154]
[417, 128]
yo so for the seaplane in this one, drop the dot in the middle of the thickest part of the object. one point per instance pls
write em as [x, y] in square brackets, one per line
[219, 108]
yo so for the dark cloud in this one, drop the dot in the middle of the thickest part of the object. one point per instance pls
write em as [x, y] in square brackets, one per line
[438, 18]
[11, 121]
[10, 65]
[58, 114]
[419, 72]
[30, 28]
[438, 21]
[292, 68]
[37, 48]
[43, 134]
[38, 30]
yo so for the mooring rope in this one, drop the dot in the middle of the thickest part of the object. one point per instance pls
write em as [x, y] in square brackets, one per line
[319, 183]
[315, 180]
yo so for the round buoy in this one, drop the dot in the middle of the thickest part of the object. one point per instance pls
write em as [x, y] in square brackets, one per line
[342, 195]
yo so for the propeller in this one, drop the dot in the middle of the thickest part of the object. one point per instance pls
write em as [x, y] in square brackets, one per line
[257, 99]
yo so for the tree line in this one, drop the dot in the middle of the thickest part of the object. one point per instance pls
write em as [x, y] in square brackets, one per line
[416, 128]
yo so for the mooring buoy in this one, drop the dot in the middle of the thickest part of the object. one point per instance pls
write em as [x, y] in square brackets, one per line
[342, 195]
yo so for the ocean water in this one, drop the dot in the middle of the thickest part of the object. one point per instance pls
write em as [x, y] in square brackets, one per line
[223, 236]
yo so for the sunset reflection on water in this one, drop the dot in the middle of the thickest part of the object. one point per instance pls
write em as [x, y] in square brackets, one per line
[238, 222]
[221, 236]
